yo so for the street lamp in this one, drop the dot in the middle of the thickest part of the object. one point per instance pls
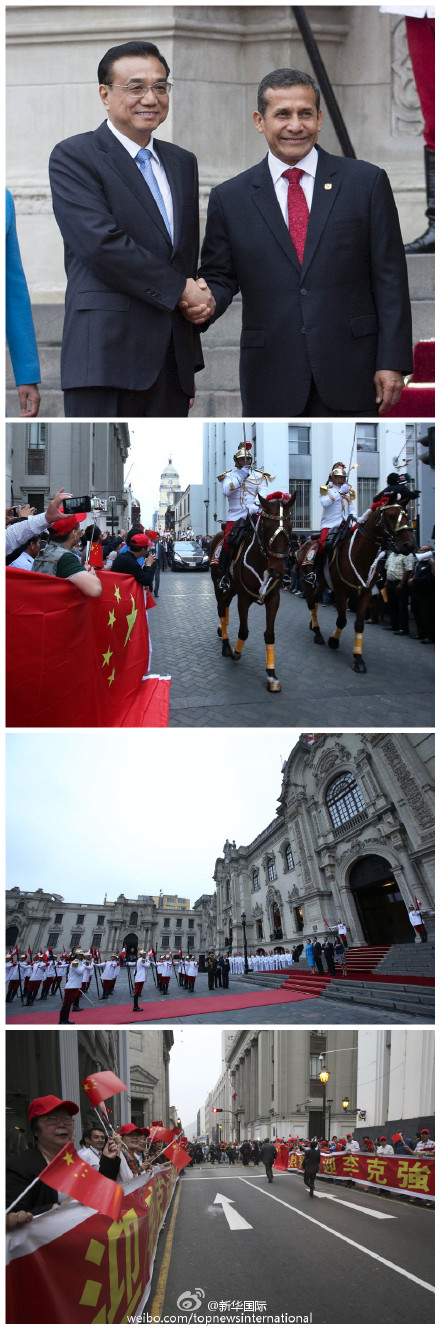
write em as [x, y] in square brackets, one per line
[243, 924]
[324, 1076]
[346, 1104]
[206, 502]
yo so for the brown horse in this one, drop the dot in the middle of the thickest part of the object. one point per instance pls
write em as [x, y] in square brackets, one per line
[353, 567]
[264, 548]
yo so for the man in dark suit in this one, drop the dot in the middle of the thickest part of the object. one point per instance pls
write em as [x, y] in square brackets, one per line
[127, 207]
[313, 243]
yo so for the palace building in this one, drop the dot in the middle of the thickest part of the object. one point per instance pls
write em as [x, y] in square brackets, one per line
[352, 839]
[39, 919]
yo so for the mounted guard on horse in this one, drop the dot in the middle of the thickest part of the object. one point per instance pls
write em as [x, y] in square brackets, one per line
[248, 559]
[349, 551]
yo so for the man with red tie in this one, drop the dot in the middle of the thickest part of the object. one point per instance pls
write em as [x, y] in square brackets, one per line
[313, 242]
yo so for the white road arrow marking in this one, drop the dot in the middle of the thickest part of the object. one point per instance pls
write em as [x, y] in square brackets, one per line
[323, 1195]
[235, 1220]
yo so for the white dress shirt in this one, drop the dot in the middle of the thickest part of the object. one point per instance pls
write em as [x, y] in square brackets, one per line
[158, 170]
[308, 164]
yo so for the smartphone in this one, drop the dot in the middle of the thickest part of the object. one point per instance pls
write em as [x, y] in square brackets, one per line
[72, 505]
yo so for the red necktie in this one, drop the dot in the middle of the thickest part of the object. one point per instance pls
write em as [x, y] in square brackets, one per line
[297, 209]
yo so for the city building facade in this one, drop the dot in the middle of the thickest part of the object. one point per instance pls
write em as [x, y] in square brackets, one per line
[352, 839]
[190, 512]
[82, 458]
[300, 458]
[399, 1094]
[40, 1062]
[271, 1087]
[169, 493]
[39, 919]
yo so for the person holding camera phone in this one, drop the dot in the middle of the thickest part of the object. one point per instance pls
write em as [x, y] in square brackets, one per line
[138, 561]
[59, 560]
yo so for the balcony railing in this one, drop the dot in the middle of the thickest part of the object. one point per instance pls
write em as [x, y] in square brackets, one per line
[349, 825]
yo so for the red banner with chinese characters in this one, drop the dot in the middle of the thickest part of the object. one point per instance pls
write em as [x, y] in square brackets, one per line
[74, 1266]
[77, 662]
[412, 1174]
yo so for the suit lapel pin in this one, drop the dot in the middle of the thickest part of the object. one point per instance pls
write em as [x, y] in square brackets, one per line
[328, 186]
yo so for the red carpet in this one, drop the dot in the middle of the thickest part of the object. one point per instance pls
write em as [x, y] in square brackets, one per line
[163, 1010]
[418, 398]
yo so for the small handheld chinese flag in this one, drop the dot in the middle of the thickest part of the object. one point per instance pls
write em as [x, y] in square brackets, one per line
[161, 1133]
[177, 1155]
[101, 1086]
[71, 1175]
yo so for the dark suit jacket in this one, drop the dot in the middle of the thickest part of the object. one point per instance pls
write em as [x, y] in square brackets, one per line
[340, 316]
[124, 276]
[20, 1171]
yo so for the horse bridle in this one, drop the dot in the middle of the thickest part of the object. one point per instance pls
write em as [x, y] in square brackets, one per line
[280, 530]
[386, 536]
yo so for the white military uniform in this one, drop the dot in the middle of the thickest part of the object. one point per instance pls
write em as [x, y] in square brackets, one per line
[337, 505]
[242, 487]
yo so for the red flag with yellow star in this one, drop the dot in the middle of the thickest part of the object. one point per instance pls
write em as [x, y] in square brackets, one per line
[177, 1155]
[72, 661]
[101, 1086]
[71, 1175]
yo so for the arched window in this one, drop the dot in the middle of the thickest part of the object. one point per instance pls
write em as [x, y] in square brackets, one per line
[255, 881]
[133, 919]
[228, 890]
[289, 857]
[271, 869]
[344, 799]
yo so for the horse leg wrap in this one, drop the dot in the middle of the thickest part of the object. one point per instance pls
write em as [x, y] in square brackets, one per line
[239, 646]
[314, 617]
[336, 633]
[224, 626]
[270, 657]
[357, 648]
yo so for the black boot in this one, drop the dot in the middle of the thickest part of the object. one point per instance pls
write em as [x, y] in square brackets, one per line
[311, 578]
[425, 244]
[136, 1006]
[224, 581]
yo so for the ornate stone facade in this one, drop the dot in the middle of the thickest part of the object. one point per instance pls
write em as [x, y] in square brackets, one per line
[353, 838]
[37, 919]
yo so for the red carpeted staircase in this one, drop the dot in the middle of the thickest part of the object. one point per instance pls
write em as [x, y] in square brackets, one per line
[418, 396]
[361, 962]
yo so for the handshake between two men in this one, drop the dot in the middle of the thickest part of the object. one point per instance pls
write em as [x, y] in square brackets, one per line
[312, 241]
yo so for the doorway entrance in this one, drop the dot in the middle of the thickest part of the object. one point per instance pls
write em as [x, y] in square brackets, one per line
[131, 945]
[382, 911]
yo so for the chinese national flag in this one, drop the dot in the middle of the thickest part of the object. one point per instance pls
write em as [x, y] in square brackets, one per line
[101, 1086]
[177, 1155]
[70, 1174]
[161, 1133]
[282, 1158]
[73, 661]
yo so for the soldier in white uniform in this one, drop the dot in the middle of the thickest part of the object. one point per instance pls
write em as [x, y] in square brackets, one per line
[109, 975]
[241, 486]
[140, 976]
[37, 975]
[338, 501]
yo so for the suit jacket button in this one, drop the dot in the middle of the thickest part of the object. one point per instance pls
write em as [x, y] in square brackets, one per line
[302, 329]
[303, 290]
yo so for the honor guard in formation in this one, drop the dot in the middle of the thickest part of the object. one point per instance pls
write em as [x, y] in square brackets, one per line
[338, 501]
[241, 485]
[109, 975]
[164, 971]
[140, 976]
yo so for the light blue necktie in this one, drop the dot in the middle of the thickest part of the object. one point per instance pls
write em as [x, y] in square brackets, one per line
[143, 159]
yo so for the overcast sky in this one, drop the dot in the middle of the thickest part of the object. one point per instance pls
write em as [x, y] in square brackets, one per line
[136, 811]
[195, 1066]
[152, 444]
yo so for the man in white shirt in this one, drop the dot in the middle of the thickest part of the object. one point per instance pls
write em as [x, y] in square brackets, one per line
[385, 1148]
[425, 1145]
[352, 1146]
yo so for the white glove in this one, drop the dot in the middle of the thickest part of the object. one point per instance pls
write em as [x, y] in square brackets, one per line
[345, 489]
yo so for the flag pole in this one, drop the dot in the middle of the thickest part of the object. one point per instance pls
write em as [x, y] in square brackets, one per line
[20, 1197]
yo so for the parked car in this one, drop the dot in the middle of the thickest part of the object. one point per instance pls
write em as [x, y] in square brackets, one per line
[188, 555]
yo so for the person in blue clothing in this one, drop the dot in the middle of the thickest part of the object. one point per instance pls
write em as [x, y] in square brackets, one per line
[20, 332]
[309, 954]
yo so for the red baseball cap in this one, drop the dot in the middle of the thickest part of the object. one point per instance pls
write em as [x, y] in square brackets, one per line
[129, 1129]
[40, 1107]
[67, 524]
[424, 1130]
[141, 541]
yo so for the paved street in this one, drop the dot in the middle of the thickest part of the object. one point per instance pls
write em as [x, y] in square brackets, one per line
[310, 1012]
[344, 1256]
[319, 688]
